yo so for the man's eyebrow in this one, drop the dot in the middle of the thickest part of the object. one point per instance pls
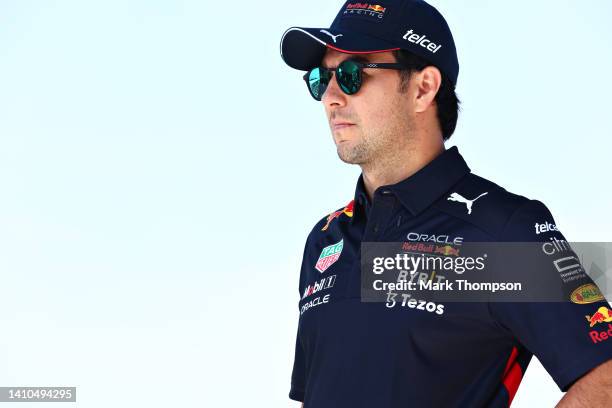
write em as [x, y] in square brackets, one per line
[359, 58]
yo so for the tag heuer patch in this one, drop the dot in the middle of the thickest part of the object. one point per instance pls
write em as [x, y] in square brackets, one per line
[329, 255]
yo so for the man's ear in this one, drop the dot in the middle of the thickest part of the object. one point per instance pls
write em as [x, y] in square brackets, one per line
[427, 84]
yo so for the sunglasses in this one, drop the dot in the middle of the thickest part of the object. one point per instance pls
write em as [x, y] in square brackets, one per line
[349, 75]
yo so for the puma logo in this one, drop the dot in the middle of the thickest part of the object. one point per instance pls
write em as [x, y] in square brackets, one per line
[458, 197]
[331, 35]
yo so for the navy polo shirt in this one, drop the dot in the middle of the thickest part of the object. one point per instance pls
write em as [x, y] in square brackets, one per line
[350, 353]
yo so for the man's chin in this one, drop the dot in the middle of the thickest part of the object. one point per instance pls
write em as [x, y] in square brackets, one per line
[347, 154]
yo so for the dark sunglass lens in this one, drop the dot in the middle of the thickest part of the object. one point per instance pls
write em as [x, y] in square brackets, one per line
[349, 77]
[318, 79]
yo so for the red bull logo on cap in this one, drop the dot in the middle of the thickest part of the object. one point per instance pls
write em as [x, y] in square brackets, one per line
[377, 8]
[364, 9]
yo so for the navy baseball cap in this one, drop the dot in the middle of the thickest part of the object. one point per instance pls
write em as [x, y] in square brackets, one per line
[383, 25]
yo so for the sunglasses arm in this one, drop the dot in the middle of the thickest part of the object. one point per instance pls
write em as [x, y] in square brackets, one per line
[383, 66]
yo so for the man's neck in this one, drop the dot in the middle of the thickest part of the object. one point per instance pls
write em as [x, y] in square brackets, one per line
[397, 168]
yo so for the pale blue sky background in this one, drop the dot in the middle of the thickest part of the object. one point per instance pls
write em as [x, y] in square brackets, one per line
[161, 167]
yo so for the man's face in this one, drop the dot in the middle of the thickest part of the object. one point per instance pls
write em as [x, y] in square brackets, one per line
[376, 121]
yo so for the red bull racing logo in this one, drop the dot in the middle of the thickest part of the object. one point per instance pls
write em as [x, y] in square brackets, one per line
[329, 256]
[365, 9]
[348, 211]
[377, 8]
[602, 315]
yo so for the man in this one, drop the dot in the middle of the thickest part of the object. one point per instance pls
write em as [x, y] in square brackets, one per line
[385, 73]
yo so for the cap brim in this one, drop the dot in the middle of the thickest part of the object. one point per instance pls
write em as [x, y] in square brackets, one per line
[303, 48]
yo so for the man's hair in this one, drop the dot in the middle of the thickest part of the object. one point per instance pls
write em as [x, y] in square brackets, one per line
[446, 98]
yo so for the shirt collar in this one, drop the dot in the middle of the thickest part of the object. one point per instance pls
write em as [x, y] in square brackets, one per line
[423, 188]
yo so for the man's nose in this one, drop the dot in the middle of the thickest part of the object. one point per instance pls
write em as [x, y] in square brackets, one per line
[333, 95]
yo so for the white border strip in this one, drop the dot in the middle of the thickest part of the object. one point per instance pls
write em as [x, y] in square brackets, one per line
[298, 29]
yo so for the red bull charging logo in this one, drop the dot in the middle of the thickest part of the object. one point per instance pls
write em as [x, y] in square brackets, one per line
[376, 7]
[348, 211]
[602, 315]
[365, 9]
[447, 250]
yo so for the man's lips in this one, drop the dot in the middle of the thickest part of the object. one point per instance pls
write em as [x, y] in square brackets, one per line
[341, 125]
